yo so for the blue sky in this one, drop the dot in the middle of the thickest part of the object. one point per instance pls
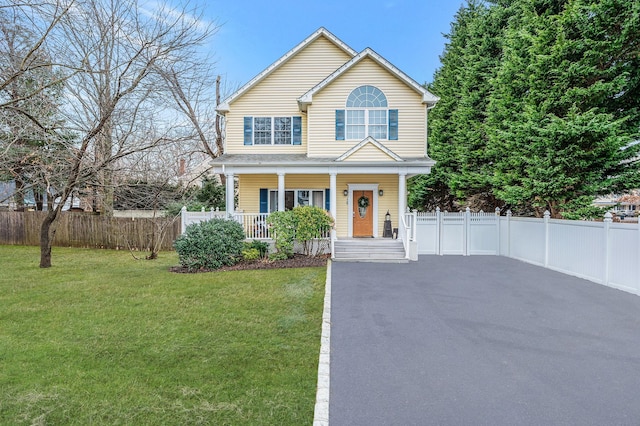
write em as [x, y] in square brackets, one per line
[254, 34]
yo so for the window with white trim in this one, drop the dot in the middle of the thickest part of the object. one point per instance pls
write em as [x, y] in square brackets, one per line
[366, 113]
[272, 130]
[297, 197]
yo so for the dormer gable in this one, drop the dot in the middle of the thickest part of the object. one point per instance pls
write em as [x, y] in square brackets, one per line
[321, 32]
[427, 97]
[369, 149]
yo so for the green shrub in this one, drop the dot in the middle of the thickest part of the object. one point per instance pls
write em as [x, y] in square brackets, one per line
[278, 256]
[261, 246]
[210, 244]
[283, 225]
[312, 224]
[250, 254]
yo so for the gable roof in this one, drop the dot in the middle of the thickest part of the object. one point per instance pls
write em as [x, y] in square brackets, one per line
[427, 97]
[366, 141]
[321, 32]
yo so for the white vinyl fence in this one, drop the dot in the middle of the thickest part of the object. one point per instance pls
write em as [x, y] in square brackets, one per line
[604, 252]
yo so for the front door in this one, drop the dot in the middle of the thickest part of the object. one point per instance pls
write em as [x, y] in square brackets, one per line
[362, 213]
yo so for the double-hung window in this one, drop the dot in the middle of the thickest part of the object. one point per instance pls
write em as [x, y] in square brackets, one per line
[293, 198]
[366, 114]
[272, 130]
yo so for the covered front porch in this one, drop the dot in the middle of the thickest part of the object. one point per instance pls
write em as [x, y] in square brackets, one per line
[359, 196]
[400, 247]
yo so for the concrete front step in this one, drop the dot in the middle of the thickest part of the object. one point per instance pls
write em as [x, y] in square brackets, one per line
[369, 250]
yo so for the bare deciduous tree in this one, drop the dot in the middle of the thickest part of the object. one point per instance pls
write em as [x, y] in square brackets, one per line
[114, 56]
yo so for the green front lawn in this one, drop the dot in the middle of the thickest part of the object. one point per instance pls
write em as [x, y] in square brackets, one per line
[101, 338]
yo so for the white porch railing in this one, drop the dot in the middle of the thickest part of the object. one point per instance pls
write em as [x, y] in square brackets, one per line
[254, 224]
[408, 234]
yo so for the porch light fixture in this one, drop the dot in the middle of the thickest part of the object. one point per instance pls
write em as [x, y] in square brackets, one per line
[380, 192]
[345, 192]
[387, 217]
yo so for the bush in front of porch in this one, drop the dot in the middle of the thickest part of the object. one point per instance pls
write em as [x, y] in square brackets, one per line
[210, 244]
[305, 224]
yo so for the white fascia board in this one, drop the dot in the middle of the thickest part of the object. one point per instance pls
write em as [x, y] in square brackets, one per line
[277, 64]
[427, 97]
[370, 169]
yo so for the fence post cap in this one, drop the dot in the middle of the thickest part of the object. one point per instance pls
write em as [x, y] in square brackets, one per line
[184, 208]
[468, 209]
[498, 211]
[509, 213]
[608, 217]
[547, 214]
[438, 209]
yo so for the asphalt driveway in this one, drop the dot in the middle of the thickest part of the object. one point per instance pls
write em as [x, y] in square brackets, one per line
[480, 340]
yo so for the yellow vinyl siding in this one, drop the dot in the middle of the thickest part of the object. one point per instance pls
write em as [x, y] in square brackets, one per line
[249, 187]
[277, 94]
[369, 152]
[411, 112]
[249, 190]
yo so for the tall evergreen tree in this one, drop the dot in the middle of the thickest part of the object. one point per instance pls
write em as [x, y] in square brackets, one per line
[434, 190]
[458, 137]
[564, 108]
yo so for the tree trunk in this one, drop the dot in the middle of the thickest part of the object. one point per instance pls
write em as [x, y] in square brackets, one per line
[47, 232]
[38, 196]
[18, 195]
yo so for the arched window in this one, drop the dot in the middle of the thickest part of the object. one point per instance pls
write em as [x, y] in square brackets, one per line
[367, 97]
[366, 114]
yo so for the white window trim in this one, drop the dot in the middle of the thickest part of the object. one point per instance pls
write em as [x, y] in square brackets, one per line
[295, 196]
[273, 131]
[366, 123]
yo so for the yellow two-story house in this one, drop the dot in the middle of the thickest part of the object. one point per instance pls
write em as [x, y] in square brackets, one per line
[327, 126]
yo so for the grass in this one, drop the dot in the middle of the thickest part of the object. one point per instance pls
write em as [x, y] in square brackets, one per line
[101, 338]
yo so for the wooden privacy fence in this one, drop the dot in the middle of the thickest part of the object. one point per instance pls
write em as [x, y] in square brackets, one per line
[90, 231]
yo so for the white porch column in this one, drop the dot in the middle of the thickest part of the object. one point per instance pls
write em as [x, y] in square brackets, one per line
[281, 191]
[333, 201]
[229, 193]
[402, 194]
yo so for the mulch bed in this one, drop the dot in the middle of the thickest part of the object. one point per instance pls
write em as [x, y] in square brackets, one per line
[298, 261]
